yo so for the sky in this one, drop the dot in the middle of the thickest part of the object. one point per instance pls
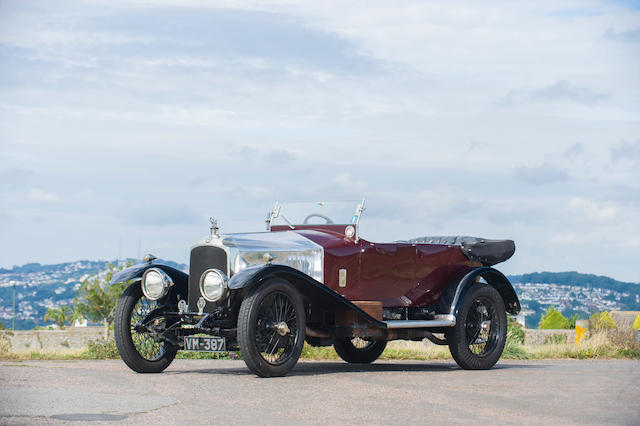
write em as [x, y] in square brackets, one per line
[125, 125]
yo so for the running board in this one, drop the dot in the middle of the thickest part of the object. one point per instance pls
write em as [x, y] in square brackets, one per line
[439, 321]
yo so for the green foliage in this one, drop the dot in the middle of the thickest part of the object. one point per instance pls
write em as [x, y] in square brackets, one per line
[322, 352]
[1, 326]
[601, 321]
[207, 355]
[515, 332]
[5, 345]
[555, 339]
[102, 349]
[572, 321]
[553, 320]
[96, 298]
[513, 348]
[59, 316]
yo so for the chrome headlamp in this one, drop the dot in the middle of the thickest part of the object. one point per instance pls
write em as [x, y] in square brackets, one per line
[155, 283]
[213, 285]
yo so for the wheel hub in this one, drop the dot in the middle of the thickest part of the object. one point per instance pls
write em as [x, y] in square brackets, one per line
[282, 328]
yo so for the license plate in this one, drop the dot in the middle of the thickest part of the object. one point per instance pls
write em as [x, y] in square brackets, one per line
[204, 344]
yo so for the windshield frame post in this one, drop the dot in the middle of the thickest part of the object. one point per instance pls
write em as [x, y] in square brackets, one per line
[359, 211]
[274, 213]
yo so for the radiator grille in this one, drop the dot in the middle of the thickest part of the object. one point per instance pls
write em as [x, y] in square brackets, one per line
[203, 258]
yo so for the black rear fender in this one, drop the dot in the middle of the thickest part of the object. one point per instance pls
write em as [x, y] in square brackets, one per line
[492, 277]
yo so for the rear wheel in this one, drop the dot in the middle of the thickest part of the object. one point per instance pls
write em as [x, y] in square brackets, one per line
[477, 340]
[359, 350]
[138, 349]
[271, 328]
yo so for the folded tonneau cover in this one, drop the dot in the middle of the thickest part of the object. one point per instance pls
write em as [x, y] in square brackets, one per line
[488, 252]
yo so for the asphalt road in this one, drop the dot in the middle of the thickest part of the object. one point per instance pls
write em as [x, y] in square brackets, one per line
[386, 392]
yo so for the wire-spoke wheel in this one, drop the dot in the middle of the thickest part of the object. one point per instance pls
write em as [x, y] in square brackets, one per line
[148, 348]
[359, 350]
[481, 330]
[271, 328]
[477, 340]
[138, 349]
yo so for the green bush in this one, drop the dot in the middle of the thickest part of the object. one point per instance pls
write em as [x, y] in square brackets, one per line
[601, 321]
[102, 349]
[515, 332]
[553, 320]
[5, 345]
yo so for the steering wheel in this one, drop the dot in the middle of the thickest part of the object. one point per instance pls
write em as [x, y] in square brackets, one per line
[329, 221]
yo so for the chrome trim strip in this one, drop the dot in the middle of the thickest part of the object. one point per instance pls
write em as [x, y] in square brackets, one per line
[440, 321]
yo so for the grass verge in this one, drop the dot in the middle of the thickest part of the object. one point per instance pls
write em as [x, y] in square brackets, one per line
[609, 345]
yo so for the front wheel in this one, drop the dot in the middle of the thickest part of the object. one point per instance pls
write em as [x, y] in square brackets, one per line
[271, 328]
[139, 350]
[477, 340]
[358, 350]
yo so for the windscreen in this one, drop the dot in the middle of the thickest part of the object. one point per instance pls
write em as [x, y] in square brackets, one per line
[316, 213]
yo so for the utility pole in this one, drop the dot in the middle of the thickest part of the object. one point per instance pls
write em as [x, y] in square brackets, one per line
[13, 321]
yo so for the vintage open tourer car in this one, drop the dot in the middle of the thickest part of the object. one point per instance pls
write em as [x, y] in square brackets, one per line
[312, 277]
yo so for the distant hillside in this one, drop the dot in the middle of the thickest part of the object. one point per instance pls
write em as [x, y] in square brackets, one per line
[573, 293]
[575, 279]
[39, 287]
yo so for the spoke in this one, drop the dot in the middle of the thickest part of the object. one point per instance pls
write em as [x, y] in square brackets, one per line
[275, 346]
[270, 339]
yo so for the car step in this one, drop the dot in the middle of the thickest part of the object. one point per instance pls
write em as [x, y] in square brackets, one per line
[439, 321]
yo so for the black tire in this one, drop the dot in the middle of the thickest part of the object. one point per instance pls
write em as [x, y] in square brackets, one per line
[359, 351]
[477, 340]
[139, 351]
[271, 328]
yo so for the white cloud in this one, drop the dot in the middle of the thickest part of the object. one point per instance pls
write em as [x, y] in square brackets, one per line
[593, 211]
[36, 194]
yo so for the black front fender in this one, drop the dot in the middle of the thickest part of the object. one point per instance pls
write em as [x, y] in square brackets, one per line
[179, 278]
[314, 291]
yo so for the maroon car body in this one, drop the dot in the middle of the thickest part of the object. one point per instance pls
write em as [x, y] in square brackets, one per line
[266, 293]
[402, 274]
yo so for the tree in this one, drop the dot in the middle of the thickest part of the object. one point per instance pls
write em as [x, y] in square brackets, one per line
[572, 320]
[601, 321]
[553, 320]
[96, 298]
[59, 316]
